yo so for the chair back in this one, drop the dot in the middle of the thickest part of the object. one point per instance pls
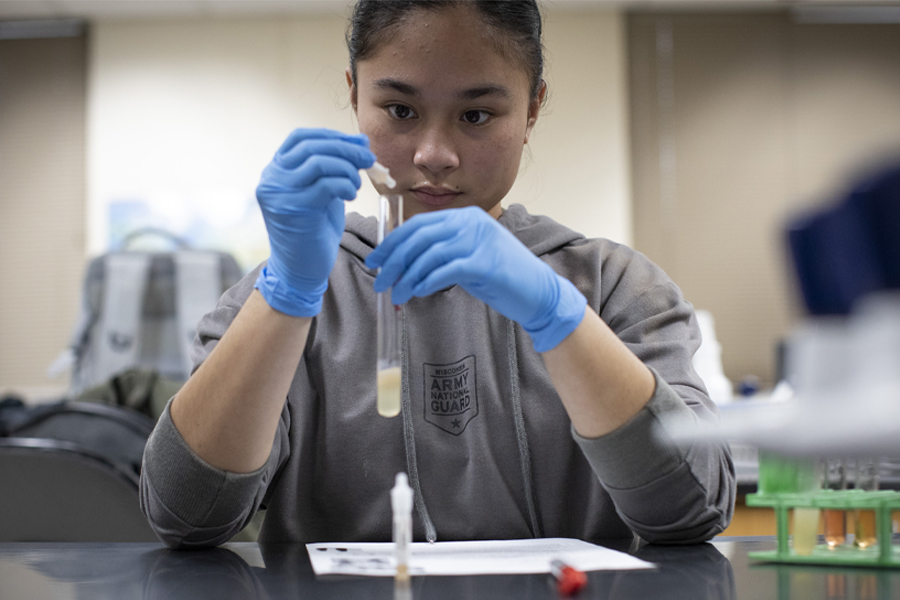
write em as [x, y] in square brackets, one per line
[60, 491]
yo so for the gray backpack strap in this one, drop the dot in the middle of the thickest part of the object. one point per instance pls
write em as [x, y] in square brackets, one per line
[125, 279]
[198, 285]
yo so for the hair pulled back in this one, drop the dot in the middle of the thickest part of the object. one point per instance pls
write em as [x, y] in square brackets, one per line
[373, 21]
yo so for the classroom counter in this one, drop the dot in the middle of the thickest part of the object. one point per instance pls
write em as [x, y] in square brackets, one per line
[719, 571]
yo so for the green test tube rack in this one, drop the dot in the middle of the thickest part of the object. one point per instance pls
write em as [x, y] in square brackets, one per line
[785, 485]
[881, 554]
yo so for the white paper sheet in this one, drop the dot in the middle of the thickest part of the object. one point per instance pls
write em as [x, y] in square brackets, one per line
[469, 558]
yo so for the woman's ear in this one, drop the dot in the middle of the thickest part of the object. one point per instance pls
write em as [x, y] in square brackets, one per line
[352, 87]
[534, 109]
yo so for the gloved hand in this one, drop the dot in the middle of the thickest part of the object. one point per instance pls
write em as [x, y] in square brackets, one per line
[468, 247]
[301, 194]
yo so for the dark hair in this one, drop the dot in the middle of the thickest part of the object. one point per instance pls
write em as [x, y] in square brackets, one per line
[373, 20]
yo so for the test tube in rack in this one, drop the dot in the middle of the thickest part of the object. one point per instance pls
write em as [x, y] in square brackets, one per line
[390, 216]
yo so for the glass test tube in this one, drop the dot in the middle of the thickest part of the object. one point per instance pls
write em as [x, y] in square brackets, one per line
[806, 525]
[390, 215]
[866, 479]
[835, 519]
[806, 519]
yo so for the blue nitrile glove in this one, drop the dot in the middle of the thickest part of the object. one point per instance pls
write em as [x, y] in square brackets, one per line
[301, 194]
[468, 247]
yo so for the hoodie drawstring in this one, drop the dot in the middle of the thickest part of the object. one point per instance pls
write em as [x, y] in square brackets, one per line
[409, 439]
[521, 434]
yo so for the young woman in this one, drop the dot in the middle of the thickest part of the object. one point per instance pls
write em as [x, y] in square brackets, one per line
[539, 367]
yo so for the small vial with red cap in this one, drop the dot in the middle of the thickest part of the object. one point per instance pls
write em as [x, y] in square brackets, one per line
[569, 580]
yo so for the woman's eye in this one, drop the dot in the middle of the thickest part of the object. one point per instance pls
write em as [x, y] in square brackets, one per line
[476, 117]
[399, 111]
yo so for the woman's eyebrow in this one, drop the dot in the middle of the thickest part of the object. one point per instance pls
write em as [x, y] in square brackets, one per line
[485, 90]
[388, 83]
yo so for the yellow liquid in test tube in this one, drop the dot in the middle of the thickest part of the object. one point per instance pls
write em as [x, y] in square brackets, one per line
[866, 479]
[806, 527]
[865, 529]
[389, 392]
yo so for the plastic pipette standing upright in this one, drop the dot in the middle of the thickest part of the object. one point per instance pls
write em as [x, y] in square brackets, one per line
[390, 216]
[402, 505]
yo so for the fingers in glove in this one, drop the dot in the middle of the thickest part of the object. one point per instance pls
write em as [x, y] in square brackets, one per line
[315, 168]
[417, 239]
[301, 134]
[452, 273]
[439, 255]
[448, 220]
[359, 156]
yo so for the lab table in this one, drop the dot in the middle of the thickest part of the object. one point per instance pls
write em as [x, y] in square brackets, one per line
[719, 570]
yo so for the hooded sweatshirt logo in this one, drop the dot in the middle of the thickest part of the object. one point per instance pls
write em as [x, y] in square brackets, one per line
[451, 399]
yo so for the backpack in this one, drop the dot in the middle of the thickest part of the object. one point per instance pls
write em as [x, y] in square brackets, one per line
[140, 309]
[116, 433]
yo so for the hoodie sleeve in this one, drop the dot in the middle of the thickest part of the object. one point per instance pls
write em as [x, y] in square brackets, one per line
[664, 492]
[188, 502]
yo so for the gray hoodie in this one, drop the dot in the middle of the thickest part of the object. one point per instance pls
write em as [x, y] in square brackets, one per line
[488, 446]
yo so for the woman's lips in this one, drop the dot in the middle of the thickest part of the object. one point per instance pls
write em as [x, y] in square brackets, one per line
[435, 196]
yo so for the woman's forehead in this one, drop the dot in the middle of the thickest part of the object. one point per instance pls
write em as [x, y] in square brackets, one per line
[449, 48]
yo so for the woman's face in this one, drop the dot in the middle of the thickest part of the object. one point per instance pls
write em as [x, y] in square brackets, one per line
[445, 112]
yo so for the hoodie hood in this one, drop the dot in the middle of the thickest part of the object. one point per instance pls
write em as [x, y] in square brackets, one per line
[540, 234]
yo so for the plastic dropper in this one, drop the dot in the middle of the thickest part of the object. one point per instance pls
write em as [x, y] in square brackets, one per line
[380, 175]
[402, 505]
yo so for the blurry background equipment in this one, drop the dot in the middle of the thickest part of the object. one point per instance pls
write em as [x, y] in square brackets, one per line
[824, 454]
[70, 468]
[843, 362]
[852, 249]
[141, 309]
[143, 390]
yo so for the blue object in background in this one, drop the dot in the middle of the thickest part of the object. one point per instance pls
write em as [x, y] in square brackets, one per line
[748, 386]
[879, 201]
[835, 259]
[849, 250]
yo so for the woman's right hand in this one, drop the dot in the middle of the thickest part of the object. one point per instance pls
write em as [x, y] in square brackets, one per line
[301, 194]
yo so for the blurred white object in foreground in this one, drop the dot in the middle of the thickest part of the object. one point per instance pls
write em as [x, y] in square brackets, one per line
[708, 361]
[846, 372]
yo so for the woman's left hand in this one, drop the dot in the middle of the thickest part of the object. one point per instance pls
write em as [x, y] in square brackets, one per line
[469, 248]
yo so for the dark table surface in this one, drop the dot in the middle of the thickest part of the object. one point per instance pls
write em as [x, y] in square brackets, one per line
[719, 570]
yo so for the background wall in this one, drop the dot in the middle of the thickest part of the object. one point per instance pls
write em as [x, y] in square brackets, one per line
[42, 205]
[579, 172]
[739, 121]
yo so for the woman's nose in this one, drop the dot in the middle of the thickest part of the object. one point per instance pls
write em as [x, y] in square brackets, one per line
[436, 150]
